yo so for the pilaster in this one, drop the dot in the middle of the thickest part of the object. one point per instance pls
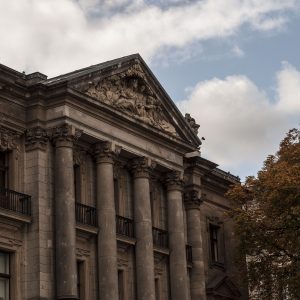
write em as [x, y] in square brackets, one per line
[39, 269]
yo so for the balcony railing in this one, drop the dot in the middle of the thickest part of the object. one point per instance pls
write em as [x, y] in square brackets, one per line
[189, 254]
[160, 237]
[124, 226]
[14, 201]
[85, 214]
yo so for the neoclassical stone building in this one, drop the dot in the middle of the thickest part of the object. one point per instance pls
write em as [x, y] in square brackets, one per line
[104, 194]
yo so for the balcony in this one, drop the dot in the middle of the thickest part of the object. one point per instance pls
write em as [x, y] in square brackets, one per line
[124, 226]
[189, 254]
[160, 237]
[86, 215]
[15, 202]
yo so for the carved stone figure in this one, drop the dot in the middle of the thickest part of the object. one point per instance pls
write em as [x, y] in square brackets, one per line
[191, 121]
[129, 93]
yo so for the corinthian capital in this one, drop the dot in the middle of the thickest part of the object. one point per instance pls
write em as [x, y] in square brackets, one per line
[174, 181]
[142, 167]
[65, 135]
[106, 152]
[36, 137]
[192, 199]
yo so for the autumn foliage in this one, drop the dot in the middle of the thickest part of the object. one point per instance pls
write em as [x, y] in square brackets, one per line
[267, 218]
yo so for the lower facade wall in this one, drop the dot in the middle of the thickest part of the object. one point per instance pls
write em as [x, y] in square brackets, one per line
[14, 240]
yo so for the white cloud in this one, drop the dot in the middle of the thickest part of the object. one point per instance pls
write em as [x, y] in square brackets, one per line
[288, 89]
[241, 124]
[61, 35]
[237, 51]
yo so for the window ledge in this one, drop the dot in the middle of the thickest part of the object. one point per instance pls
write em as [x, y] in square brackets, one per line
[87, 228]
[218, 265]
[11, 215]
[160, 250]
[126, 239]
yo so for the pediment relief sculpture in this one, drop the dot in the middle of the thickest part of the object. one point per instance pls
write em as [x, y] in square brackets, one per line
[129, 93]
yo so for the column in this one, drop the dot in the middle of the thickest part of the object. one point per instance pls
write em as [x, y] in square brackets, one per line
[107, 243]
[39, 271]
[178, 264]
[197, 279]
[65, 223]
[141, 168]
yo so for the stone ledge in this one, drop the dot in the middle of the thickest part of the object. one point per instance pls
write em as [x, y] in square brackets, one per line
[13, 216]
[87, 229]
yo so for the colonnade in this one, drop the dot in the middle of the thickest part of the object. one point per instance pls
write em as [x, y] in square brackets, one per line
[65, 223]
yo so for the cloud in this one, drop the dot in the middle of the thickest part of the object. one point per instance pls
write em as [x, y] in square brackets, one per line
[237, 51]
[61, 35]
[241, 124]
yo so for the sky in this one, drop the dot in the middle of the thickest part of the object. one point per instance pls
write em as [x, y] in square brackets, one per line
[233, 64]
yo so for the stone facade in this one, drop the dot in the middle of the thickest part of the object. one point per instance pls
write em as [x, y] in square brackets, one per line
[104, 194]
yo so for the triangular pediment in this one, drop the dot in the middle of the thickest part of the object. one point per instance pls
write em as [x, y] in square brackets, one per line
[130, 88]
[224, 287]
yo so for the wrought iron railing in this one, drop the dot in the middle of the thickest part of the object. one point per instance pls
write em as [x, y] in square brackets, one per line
[124, 226]
[85, 214]
[14, 201]
[160, 237]
[189, 254]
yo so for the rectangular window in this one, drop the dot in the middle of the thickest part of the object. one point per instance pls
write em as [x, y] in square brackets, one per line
[3, 170]
[4, 275]
[117, 196]
[77, 183]
[121, 284]
[80, 285]
[214, 242]
[157, 289]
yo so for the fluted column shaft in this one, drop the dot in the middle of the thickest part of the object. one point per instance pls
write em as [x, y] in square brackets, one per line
[178, 264]
[143, 230]
[197, 279]
[65, 223]
[107, 243]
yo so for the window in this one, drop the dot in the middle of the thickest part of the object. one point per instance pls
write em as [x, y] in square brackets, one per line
[116, 195]
[80, 287]
[3, 170]
[214, 242]
[157, 288]
[4, 275]
[121, 284]
[77, 183]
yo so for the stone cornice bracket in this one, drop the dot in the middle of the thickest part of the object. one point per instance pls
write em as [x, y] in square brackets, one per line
[9, 140]
[36, 138]
[174, 181]
[106, 152]
[192, 199]
[65, 135]
[142, 167]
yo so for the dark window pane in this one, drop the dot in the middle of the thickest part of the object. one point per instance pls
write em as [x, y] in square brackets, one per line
[121, 284]
[4, 276]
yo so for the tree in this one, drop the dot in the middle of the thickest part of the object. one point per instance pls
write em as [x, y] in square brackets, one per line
[267, 221]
